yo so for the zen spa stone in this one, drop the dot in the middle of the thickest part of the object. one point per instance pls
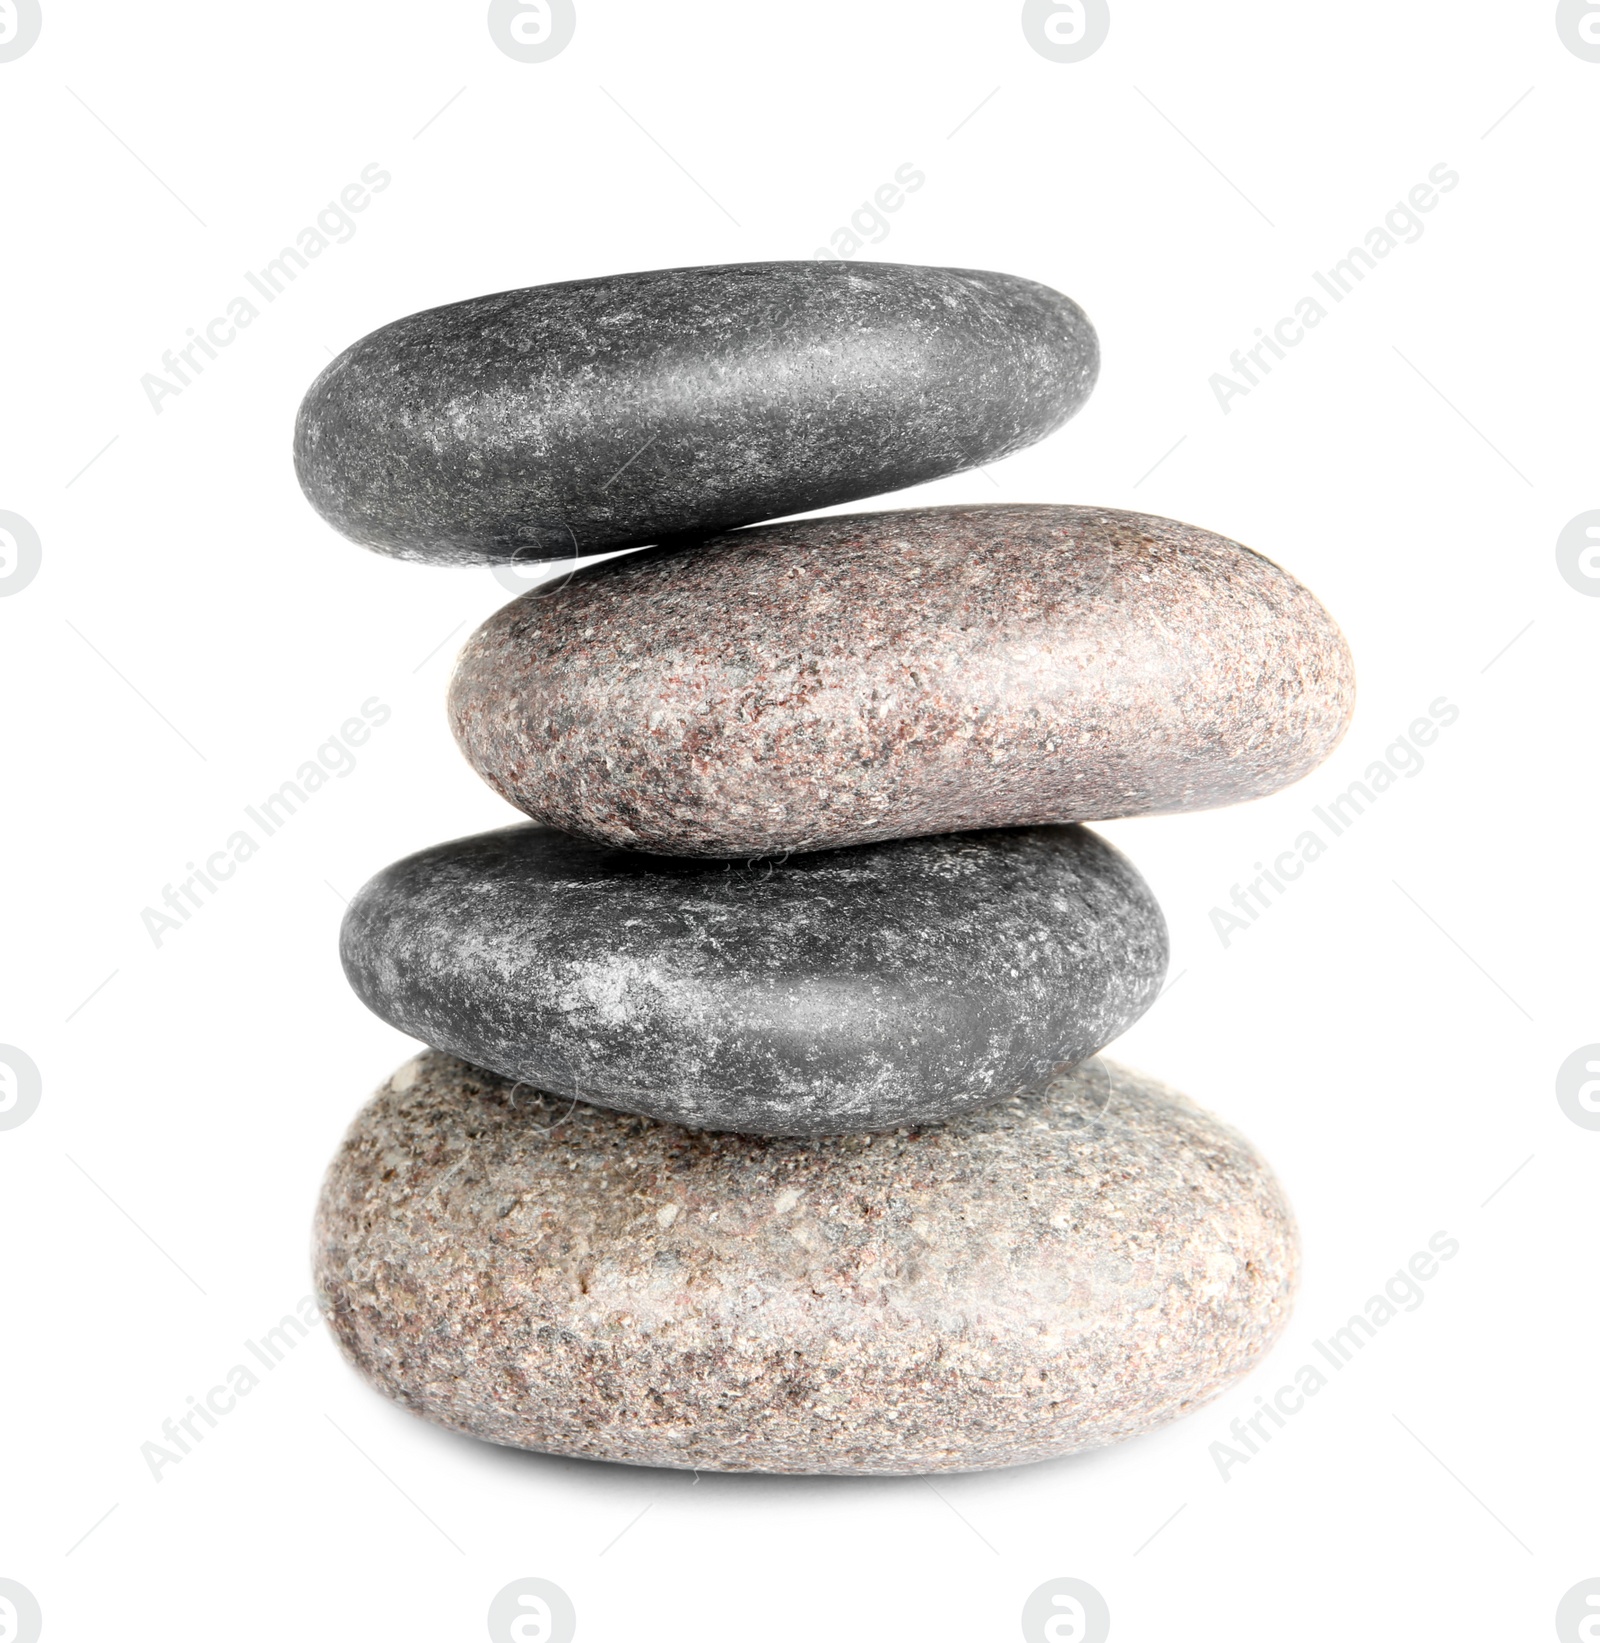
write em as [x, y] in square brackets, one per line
[836, 992]
[607, 413]
[1039, 1276]
[839, 680]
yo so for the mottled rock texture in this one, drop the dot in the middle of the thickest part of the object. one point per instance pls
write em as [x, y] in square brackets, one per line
[1036, 1277]
[842, 991]
[874, 676]
[606, 413]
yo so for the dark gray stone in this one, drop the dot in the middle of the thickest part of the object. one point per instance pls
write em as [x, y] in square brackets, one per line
[843, 991]
[608, 413]
[1036, 1277]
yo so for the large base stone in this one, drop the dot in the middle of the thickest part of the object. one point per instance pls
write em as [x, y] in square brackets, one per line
[1035, 1277]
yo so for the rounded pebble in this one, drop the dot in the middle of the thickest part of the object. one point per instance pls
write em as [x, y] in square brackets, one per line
[573, 419]
[871, 676]
[1037, 1277]
[840, 991]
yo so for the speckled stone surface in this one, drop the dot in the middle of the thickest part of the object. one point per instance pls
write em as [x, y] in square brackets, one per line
[842, 991]
[1039, 1276]
[873, 676]
[606, 413]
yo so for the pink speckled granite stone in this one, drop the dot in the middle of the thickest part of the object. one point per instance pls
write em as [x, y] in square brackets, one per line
[841, 680]
[1038, 1276]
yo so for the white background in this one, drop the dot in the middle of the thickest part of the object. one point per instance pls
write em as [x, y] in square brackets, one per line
[196, 633]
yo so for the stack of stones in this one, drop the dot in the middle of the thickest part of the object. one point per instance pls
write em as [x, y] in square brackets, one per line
[760, 1127]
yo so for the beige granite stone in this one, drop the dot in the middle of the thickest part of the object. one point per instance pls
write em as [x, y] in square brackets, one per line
[860, 677]
[1035, 1277]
